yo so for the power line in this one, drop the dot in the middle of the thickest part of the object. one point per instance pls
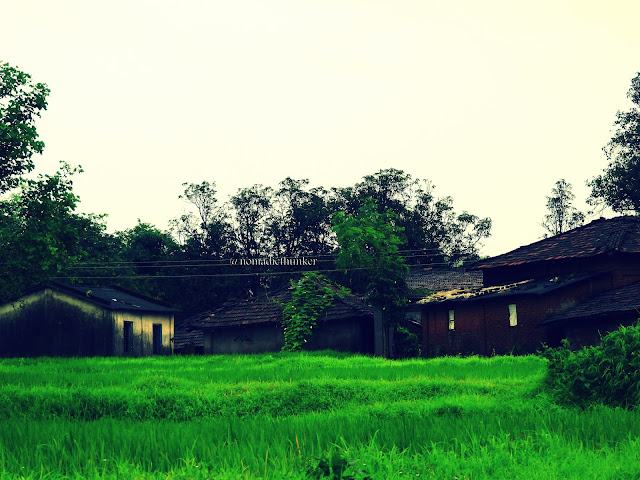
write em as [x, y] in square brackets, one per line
[215, 262]
[205, 274]
[225, 260]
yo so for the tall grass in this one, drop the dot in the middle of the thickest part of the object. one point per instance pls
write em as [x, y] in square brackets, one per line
[301, 416]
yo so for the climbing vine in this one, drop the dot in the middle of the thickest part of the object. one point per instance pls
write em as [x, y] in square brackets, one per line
[311, 296]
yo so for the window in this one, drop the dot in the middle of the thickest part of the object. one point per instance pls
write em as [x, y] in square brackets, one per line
[128, 337]
[513, 315]
[452, 323]
[157, 338]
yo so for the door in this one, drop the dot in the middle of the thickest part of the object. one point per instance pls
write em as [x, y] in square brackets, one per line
[157, 339]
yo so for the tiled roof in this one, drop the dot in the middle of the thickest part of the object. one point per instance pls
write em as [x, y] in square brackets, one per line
[268, 309]
[620, 300]
[436, 280]
[114, 298]
[184, 338]
[525, 287]
[619, 234]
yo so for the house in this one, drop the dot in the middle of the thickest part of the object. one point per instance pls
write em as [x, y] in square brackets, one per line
[584, 323]
[542, 292]
[76, 320]
[253, 326]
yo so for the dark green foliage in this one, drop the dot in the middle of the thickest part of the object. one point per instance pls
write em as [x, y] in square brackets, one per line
[618, 186]
[334, 464]
[40, 233]
[607, 374]
[433, 231]
[369, 254]
[251, 206]
[21, 102]
[311, 296]
[300, 220]
[209, 234]
[407, 344]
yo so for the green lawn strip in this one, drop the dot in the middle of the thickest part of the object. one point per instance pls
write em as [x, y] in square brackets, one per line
[199, 371]
[172, 400]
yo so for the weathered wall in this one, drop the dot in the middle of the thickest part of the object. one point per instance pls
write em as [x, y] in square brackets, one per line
[142, 332]
[584, 332]
[349, 335]
[54, 324]
[482, 325]
[244, 339]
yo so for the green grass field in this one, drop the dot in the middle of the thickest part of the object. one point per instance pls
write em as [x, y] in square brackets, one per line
[321, 415]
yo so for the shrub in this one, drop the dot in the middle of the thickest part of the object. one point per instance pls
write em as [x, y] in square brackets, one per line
[607, 374]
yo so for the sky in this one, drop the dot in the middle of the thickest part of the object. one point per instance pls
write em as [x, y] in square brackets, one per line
[493, 101]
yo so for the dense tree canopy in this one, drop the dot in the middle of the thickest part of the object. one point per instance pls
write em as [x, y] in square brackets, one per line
[40, 233]
[369, 251]
[618, 186]
[21, 102]
[434, 233]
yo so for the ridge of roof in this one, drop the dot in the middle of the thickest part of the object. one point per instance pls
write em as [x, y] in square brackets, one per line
[598, 237]
[112, 297]
[523, 287]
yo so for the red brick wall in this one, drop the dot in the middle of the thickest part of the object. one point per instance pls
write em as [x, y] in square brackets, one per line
[482, 324]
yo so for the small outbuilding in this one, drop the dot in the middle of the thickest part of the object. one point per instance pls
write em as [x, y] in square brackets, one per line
[254, 326]
[77, 320]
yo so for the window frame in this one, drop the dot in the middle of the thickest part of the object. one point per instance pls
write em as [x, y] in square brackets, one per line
[513, 315]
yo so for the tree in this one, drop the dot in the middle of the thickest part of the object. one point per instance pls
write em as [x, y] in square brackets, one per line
[252, 207]
[434, 233]
[619, 185]
[369, 254]
[39, 232]
[21, 101]
[210, 234]
[369, 244]
[437, 235]
[300, 220]
[562, 214]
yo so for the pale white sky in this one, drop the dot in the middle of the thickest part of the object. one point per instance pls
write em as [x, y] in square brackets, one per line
[491, 100]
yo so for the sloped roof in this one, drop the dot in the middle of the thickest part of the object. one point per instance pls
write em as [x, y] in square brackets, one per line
[264, 309]
[439, 279]
[525, 287]
[113, 298]
[619, 234]
[620, 300]
[184, 338]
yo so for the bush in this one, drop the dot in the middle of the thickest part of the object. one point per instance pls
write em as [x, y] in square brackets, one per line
[607, 374]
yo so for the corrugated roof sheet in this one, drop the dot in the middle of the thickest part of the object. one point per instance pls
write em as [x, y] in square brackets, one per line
[115, 298]
[619, 234]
